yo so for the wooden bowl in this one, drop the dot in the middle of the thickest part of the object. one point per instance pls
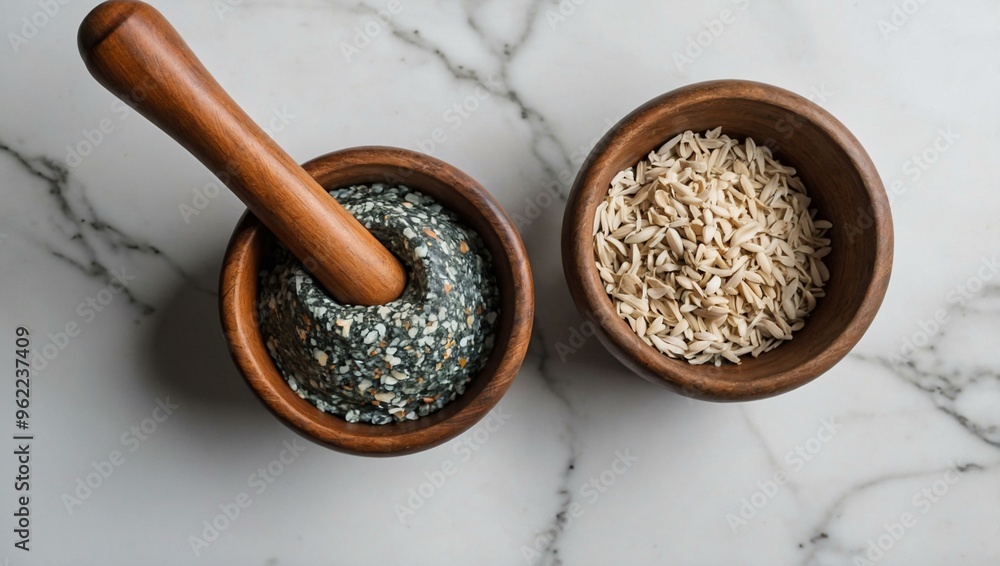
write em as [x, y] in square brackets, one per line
[838, 175]
[478, 210]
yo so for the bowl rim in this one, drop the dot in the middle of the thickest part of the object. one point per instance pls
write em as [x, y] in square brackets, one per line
[593, 302]
[244, 340]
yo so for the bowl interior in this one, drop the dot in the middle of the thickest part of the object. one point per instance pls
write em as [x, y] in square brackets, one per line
[843, 185]
[477, 209]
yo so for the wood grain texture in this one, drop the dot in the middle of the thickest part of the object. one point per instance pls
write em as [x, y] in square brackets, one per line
[135, 53]
[478, 210]
[838, 175]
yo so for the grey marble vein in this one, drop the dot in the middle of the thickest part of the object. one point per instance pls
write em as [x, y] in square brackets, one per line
[540, 349]
[768, 452]
[821, 540]
[84, 230]
[923, 368]
[546, 147]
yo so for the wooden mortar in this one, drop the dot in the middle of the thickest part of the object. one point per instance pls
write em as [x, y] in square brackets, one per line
[135, 53]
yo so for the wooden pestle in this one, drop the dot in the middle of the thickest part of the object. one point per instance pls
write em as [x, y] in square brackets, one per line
[133, 51]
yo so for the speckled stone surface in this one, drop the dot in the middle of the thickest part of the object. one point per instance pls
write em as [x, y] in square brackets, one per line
[393, 362]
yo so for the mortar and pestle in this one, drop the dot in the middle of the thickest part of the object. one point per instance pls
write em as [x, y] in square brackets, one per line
[132, 50]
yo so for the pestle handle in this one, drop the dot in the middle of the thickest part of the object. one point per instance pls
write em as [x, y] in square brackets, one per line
[133, 51]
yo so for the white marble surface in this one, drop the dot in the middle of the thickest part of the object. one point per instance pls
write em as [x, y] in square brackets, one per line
[530, 490]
